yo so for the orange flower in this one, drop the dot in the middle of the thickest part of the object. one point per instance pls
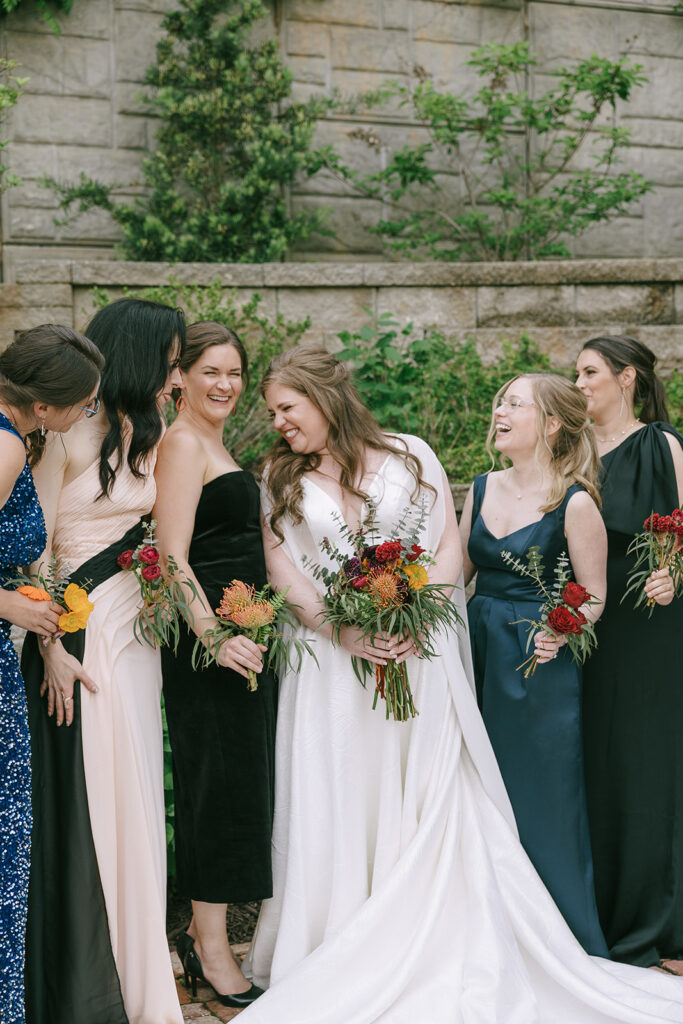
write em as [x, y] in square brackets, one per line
[34, 593]
[235, 597]
[254, 616]
[76, 600]
[385, 587]
[417, 576]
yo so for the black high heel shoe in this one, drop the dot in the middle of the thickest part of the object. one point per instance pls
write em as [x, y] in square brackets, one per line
[194, 970]
[183, 944]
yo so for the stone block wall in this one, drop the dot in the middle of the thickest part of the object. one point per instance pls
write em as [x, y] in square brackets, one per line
[559, 304]
[83, 110]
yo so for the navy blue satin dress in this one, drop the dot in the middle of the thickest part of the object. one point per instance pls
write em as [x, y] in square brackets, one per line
[534, 724]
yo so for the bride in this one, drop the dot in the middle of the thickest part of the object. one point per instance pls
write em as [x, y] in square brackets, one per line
[402, 893]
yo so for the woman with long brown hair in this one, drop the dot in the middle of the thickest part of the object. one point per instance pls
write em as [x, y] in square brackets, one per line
[401, 891]
[633, 704]
[48, 381]
[546, 497]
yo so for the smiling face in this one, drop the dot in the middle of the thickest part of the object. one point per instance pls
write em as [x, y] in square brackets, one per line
[62, 419]
[213, 384]
[515, 419]
[600, 385]
[297, 418]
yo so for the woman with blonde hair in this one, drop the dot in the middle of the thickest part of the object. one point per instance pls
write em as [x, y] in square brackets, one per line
[401, 891]
[547, 497]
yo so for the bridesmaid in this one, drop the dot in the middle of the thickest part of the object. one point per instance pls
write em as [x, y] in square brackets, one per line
[96, 939]
[546, 497]
[633, 708]
[222, 736]
[48, 381]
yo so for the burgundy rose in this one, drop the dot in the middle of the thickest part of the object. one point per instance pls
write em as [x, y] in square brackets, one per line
[562, 621]
[359, 582]
[150, 573]
[414, 553]
[574, 595]
[125, 559]
[149, 555]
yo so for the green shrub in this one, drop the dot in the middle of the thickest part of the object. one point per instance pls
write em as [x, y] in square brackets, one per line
[10, 91]
[500, 177]
[46, 8]
[230, 141]
[435, 387]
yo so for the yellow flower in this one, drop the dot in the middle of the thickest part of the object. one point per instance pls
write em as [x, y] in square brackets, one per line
[76, 600]
[417, 576]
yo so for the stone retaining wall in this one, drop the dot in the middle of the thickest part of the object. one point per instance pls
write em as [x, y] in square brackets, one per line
[82, 111]
[559, 304]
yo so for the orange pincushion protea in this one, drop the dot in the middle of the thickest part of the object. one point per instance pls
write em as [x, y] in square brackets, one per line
[235, 597]
[253, 616]
[34, 593]
[385, 586]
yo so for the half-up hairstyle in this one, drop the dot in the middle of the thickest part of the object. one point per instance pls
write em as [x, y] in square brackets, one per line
[51, 364]
[572, 449]
[327, 382]
[620, 351]
[137, 339]
[205, 334]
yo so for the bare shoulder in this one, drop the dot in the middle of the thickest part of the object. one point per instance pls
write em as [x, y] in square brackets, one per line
[581, 509]
[179, 442]
[12, 454]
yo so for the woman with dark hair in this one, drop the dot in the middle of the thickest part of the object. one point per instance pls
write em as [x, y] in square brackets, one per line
[96, 939]
[48, 381]
[401, 891]
[633, 703]
[222, 735]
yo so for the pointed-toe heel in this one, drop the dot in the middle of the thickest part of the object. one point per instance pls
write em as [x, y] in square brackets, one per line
[194, 971]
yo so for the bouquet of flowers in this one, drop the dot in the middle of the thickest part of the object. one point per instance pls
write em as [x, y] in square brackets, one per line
[658, 547]
[383, 588]
[163, 600]
[244, 611]
[560, 613]
[53, 585]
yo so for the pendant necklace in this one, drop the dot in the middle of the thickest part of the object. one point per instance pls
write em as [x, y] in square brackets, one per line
[622, 433]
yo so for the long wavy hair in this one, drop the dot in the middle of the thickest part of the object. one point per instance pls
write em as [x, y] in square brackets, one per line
[620, 351]
[51, 364]
[137, 339]
[571, 453]
[327, 382]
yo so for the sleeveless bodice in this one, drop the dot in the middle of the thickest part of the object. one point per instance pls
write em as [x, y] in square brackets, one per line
[87, 524]
[22, 528]
[494, 577]
[226, 542]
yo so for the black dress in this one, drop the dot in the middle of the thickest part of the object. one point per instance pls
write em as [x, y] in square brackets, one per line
[222, 735]
[633, 724]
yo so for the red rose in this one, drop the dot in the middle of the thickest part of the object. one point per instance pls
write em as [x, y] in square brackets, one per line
[562, 621]
[574, 595]
[125, 559]
[149, 555]
[151, 573]
[359, 582]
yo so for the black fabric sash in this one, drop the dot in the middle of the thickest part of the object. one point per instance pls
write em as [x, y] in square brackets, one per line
[71, 975]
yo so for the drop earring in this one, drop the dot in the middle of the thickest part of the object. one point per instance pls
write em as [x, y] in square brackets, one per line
[234, 411]
[180, 403]
[42, 428]
[623, 401]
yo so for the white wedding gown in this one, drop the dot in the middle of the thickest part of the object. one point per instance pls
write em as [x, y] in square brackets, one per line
[402, 894]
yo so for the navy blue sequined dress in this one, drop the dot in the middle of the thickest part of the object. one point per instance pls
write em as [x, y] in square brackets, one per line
[22, 539]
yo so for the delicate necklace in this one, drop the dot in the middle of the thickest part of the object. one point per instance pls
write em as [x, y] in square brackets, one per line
[622, 433]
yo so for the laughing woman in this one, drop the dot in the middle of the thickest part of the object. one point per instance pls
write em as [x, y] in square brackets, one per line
[547, 498]
[96, 939]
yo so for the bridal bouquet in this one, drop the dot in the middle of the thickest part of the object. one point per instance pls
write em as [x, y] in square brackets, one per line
[560, 613]
[53, 585]
[244, 611]
[163, 600]
[383, 589]
[658, 547]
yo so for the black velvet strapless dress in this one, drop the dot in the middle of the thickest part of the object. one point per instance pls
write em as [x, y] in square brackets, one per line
[222, 736]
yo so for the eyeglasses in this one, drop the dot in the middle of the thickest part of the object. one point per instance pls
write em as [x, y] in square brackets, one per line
[90, 410]
[512, 403]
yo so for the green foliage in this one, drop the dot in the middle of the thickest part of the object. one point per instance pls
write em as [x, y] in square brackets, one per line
[674, 398]
[435, 387]
[229, 142]
[46, 8]
[11, 89]
[505, 176]
[248, 435]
